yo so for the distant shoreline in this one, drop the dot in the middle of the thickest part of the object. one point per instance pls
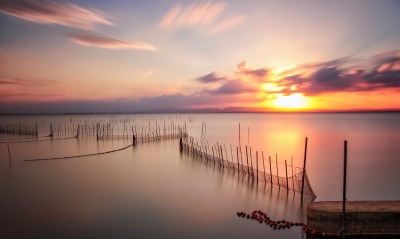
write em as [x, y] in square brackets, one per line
[215, 111]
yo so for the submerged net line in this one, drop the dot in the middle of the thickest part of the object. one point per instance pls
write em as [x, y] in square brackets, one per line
[37, 139]
[291, 181]
[135, 140]
[21, 140]
[19, 129]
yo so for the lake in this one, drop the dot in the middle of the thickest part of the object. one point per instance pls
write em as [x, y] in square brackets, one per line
[153, 190]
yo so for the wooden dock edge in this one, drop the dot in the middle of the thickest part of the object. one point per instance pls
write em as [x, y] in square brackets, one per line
[364, 219]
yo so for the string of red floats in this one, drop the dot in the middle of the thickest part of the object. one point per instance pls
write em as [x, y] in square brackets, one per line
[262, 217]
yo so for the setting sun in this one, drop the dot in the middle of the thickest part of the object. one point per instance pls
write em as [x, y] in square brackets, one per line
[293, 101]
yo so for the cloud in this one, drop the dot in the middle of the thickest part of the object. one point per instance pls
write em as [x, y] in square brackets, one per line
[108, 42]
[381, 71]
[232, 87]
[212, 77]
[27, 82]
[243, 71]
[321, 81]
[385, 74]
[323, 78]
[227, 24]
[54, 104]
[206, 14]
[48, 12]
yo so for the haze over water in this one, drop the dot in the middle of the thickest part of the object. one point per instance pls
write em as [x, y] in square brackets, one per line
[154, 191]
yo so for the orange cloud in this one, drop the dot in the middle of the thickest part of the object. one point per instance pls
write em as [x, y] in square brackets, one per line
[381, 71]
[48, 12]
[108, 42]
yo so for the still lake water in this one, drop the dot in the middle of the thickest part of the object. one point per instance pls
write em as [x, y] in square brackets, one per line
[154, 191]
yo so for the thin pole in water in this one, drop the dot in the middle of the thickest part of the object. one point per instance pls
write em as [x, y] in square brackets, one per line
[291, 162]
[343, 229]
[262, 154]
[304, 169]
[277, 172]
[247, 157]
[251, 163]
[239, 134]
[270, 168]
[9, 155]
[257, 164]
[287, 180]
[237, 156]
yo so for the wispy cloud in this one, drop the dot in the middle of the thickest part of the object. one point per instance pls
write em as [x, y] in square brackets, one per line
[48, 12]
[232, 87]
[243, 71]
[227, 24]
[243, 81]
[206, 14]
[209, 78]
[27, 82]
[108, 42]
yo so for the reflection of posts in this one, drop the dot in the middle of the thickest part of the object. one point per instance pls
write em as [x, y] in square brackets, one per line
[134, 140]
[180, 144]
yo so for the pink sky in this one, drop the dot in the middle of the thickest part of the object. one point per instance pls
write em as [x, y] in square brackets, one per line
[135, 56]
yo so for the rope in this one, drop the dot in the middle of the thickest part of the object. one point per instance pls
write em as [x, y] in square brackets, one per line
[28, 141]
[5, 140]
[261, 217]
[106, 152]
[79, 156]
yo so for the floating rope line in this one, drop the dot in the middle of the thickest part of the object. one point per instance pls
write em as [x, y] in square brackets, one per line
[79, 156]
[47, 139]
[261, 217]
[18, 139]
[134, 142]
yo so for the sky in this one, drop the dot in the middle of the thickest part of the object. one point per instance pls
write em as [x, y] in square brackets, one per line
[163, 55]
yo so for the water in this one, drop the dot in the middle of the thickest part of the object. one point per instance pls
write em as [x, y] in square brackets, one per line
[154, 191]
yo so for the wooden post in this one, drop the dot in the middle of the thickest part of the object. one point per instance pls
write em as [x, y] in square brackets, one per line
[247, 157]
[233, 164]
[291, 161]
[222, 155]
[287, 180]
[241, 158]
[343, 229]
[262, 154]
[9, 155]
[226, 154]
[239, 135]
[212, 147]
[270, 168]
[304, 169]
[237, 156]
[257, 164]
[251, 164]
[277, 172]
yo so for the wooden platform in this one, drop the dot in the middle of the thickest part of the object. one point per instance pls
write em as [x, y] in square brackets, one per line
[364, 219]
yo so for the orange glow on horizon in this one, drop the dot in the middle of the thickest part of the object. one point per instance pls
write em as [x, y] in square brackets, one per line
[293, 101]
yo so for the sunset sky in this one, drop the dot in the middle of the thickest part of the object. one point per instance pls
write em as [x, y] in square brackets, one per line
[160, 55]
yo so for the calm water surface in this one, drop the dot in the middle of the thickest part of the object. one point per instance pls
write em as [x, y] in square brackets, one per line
[154, 191]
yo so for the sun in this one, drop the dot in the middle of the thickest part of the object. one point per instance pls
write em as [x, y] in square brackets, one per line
[292, 101]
